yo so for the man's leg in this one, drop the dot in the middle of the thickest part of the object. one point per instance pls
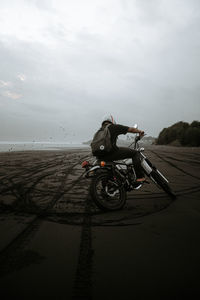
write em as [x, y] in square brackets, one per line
[123, 153]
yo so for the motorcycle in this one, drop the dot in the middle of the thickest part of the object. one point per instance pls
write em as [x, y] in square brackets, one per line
[111, 180]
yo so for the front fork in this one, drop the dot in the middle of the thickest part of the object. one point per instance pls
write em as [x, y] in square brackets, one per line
[146, 164]
[148, 168]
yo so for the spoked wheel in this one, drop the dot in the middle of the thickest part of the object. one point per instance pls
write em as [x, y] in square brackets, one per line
[162, 183]
[106, 193]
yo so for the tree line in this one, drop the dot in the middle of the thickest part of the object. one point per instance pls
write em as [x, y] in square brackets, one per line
[180, 134]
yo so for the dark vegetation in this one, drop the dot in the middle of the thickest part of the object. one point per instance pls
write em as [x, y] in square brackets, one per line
[180, 134]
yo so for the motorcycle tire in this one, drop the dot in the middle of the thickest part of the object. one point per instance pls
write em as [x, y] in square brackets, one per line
[106, 193]
[162, 183]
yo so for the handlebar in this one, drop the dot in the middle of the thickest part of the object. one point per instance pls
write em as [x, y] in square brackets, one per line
[137, 138]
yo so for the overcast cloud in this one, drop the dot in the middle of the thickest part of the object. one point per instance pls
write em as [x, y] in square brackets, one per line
[64, 64]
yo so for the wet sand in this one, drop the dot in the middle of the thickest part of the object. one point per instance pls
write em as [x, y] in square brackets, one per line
[56, 244]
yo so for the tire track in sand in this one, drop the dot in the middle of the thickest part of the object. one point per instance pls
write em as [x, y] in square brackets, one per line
[10, 256]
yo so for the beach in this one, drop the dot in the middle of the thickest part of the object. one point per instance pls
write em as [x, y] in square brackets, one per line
[56, 244]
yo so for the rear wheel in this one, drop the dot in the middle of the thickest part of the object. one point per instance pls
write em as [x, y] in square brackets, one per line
[106, 193]
[162, 183]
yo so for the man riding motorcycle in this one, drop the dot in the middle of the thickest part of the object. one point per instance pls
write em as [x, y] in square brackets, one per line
[118, 153]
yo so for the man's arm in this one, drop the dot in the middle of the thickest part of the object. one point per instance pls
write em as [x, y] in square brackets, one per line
[135, 130]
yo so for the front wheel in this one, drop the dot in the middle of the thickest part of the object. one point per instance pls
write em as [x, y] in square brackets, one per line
[106, 193]
[162, 183]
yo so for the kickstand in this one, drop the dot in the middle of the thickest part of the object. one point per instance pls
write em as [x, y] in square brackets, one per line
[146, 181]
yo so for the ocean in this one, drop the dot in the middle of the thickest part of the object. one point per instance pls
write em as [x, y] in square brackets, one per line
[24, 146]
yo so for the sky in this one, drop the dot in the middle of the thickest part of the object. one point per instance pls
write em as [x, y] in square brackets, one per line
[64, 64]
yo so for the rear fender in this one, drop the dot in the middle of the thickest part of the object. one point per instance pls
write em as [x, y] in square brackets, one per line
[96, 169]
[92, 171]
